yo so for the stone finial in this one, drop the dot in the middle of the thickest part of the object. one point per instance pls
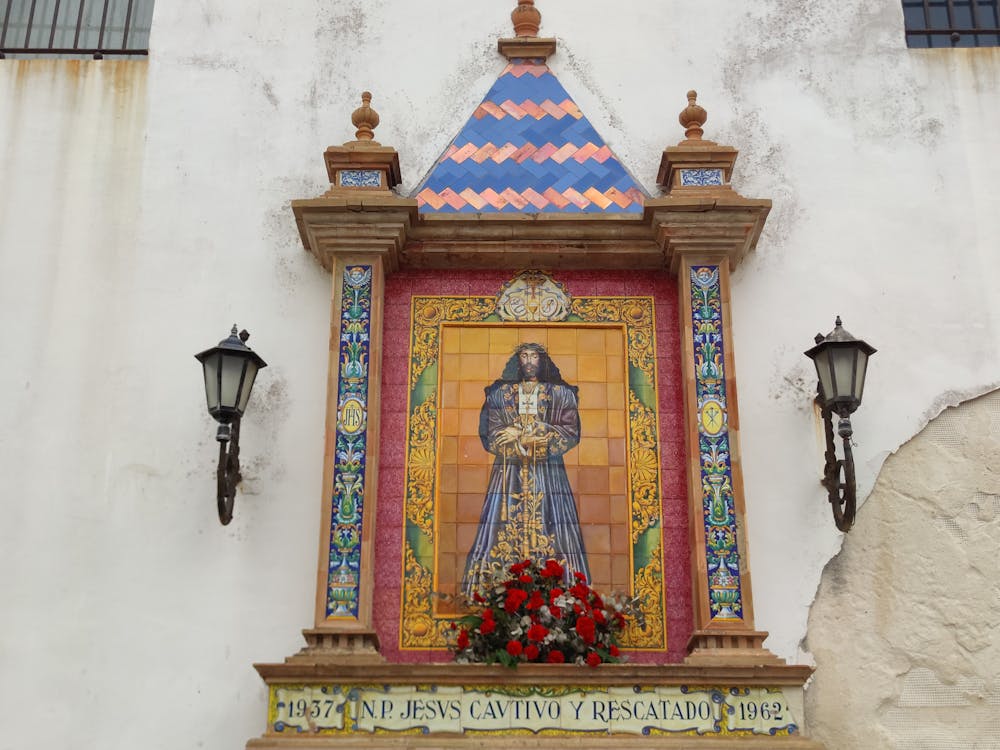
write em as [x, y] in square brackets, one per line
[365, 118]
[526, 18]
[692, 118]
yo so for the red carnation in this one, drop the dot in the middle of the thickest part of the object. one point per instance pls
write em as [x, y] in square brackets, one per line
[518, 568]
[593, 659]
[515, 598]
[488, 626]
[514, 648]
[463, 639]
[556, 657]
[537, 632]
[614, 651]
[477, 598]
[580, 576]
[552, 569]
[536, 601]
[580, 591]
[525, 578]
[555, 594]
[487, 614]
[555, 611]
[531, 652]
[585, 629]
[599, 617]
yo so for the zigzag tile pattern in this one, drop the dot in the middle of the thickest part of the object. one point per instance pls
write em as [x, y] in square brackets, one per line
[528, 148]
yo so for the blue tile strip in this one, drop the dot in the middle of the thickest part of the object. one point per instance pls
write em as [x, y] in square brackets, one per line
[718, 506]
[350, 447]
[701, 177]
[360, 178]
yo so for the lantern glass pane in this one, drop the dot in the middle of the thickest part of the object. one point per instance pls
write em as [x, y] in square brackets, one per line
[843, 370]
[822, 362]
[211, 369]
[247, 385]
[232, 374]
[859, 385]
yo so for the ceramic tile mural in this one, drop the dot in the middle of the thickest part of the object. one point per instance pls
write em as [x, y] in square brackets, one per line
[591, 455]
[468, 499]
[722, 553]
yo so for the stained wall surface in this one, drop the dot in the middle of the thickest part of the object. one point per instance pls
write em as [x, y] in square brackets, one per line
[144, 209]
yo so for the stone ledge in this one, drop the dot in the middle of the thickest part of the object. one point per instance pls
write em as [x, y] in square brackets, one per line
[450, 673]
[505, 742]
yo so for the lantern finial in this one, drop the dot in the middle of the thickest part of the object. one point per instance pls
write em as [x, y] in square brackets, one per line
[526, 18]
[692, 117]
[365, 119]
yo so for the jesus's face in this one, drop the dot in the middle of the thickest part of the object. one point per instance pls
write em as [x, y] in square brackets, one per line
[529, 359]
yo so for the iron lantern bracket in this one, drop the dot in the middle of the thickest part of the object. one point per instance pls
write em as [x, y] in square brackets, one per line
[228, 474]
[842, 493]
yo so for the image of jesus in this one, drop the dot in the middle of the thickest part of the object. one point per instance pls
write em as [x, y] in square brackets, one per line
[529, 420]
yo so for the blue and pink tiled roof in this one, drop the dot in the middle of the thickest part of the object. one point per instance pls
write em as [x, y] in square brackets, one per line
[528, 149]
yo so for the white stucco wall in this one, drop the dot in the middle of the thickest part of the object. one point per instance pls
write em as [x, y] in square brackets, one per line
[144, 209]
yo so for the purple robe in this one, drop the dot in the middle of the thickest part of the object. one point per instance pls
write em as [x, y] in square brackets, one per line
[529, 511]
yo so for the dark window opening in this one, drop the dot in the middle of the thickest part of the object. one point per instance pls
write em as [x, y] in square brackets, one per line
[952, 23]
[75, 28]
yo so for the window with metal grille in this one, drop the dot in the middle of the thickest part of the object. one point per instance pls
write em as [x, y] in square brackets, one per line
[952, 23]
[75, 28]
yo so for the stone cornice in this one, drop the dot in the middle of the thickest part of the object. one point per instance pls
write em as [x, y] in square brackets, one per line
[721, 224]
[706, 225]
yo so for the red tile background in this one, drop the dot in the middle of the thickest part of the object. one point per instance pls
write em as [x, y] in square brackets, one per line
[399, 289]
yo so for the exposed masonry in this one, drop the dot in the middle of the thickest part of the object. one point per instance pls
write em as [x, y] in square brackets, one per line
[904, 628]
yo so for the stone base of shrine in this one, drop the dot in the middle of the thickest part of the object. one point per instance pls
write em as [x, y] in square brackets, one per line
[505, 742]
[381, 705]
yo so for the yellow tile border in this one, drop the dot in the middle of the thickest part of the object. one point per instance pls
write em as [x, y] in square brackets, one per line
[431, 317]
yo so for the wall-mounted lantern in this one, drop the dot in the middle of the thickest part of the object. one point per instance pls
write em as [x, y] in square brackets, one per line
[841, 363]
[230, 369]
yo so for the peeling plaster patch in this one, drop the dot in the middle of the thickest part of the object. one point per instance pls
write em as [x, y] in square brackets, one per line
[985, 507]
[954, 398]
[904, 626]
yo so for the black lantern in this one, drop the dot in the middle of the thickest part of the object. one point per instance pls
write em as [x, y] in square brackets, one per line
[230, 369]
[841, 364]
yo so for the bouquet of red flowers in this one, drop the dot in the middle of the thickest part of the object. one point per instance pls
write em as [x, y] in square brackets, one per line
[533, 615]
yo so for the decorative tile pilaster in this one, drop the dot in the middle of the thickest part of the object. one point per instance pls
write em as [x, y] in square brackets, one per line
[347, 495]
[718, 509]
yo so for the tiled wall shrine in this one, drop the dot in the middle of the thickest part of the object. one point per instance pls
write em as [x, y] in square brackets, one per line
[531, 357]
